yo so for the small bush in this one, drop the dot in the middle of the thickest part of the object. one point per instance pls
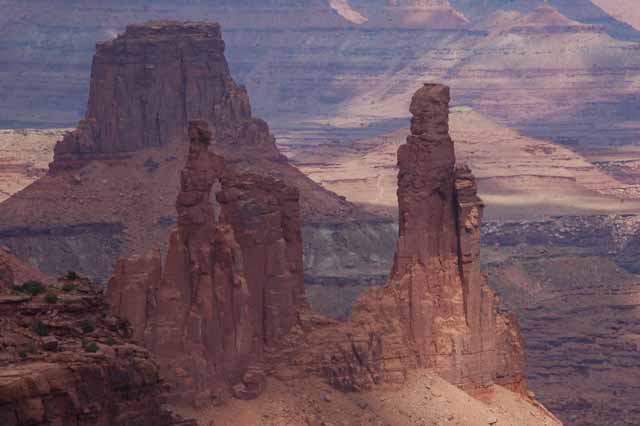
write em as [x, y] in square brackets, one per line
[41, 329]
[72, 276]
[33, 288]
[70, 288]
[87, 326]
[51, 298]
[110, 341]
[123, 325]
[92, 347]
[28, 349]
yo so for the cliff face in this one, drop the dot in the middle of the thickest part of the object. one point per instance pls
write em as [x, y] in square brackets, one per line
[231, 283]
[437, 261]
[65, 360]
[436, 310]
[146, 85]
[284, 51]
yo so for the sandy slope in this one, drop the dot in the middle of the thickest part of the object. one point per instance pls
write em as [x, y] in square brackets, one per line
[426, 400]
[518, 176]
[624, 10]
[24, 156]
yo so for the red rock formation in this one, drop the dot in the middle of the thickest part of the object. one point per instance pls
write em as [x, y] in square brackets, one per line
[64, 360]
[148, 83]
[449, 310]
[232, 290]
[231, 283]
[265, 217]
[129, 289]
[437, 310]
[6, 273]
[13, 271]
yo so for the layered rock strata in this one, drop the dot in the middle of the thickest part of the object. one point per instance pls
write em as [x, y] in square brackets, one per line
[231, 283]
[146, 85]
[158, 76]
[64, 360]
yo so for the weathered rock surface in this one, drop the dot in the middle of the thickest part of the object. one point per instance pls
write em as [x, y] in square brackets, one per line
[436, 310]
[229, 307]
[144, 74]
[6, 273]
[64, 360]
[146, 85]
[231, 284]
[284, 51]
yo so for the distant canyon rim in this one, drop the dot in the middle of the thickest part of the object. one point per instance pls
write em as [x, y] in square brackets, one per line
[225, 318]
[550, 133]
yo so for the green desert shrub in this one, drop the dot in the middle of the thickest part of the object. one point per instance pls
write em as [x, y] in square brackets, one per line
[41, 329]
[51, 298]
[33, 288]
[69, 288]
[92, 347]
[28, 349]
[87, 326]
[72, 276]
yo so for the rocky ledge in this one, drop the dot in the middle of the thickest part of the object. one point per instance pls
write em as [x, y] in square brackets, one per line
[64, 360]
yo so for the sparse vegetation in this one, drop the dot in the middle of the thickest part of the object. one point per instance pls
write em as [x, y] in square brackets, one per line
[110, 341]
[92, 347]
[87, 326]
[123, 325]
[28, 349]
[33, 288]
[72, 276]
[70, 288]
[51, 298]
[41, 329]
[124, 328]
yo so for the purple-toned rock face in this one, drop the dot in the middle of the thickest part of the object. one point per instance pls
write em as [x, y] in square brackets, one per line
[147, 84]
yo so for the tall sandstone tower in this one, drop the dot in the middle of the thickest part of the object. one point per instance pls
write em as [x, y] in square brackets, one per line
[436, 310]
[450, 310]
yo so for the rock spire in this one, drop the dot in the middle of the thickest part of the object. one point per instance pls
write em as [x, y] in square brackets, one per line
[231, 282]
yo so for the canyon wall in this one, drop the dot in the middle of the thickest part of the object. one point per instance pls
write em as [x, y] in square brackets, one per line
[284, 51]
[66, 360]
[146, 85]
